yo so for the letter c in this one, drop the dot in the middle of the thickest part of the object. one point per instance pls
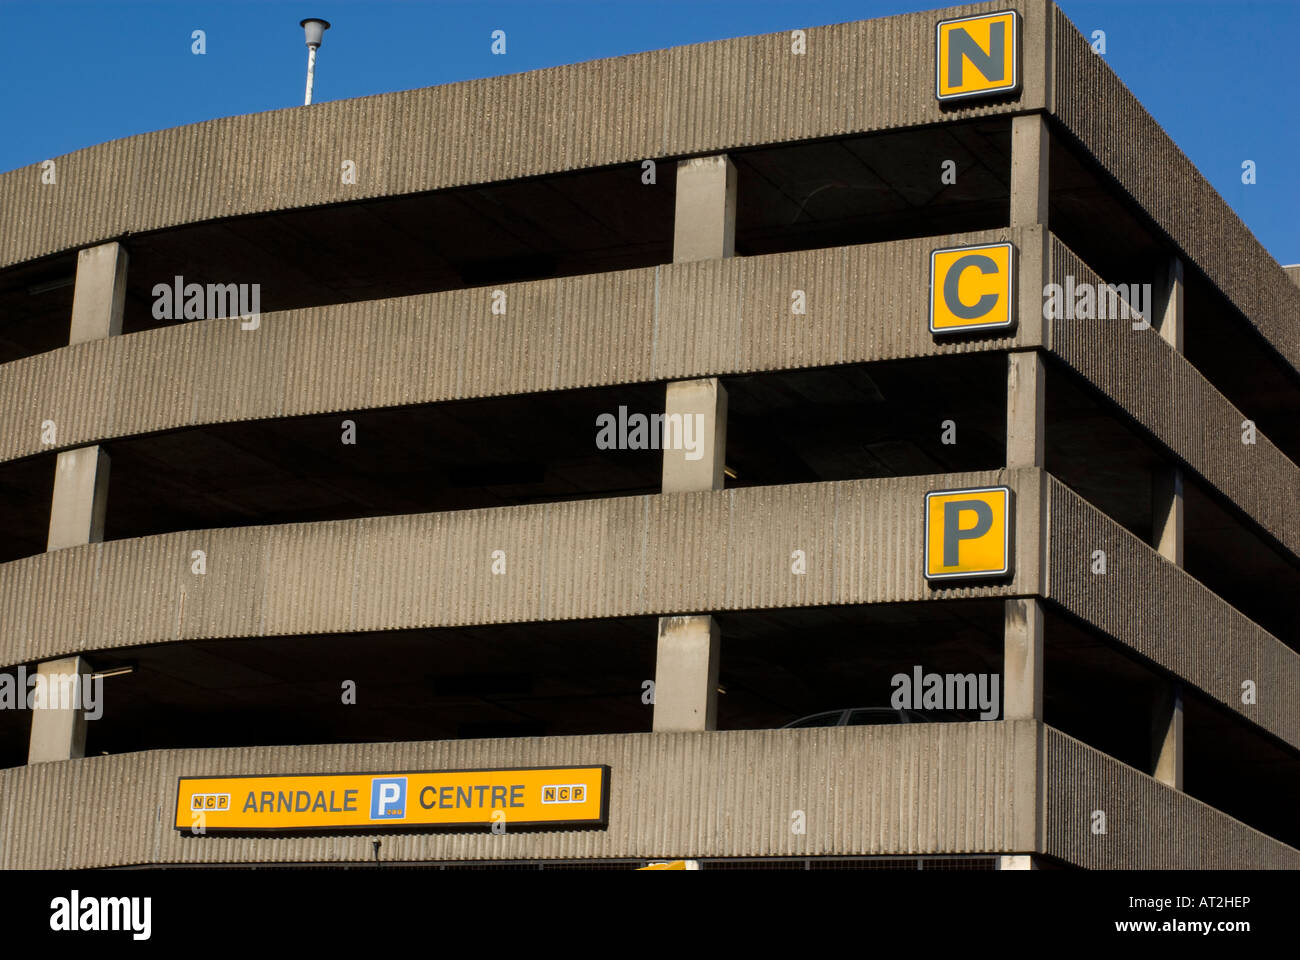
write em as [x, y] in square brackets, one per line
[951, 295]
[426, 803]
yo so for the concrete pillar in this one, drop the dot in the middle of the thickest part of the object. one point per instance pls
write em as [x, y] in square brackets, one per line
[686, 674]
[1167, 512]
[1022, 659]
[704, 227]
[1026, 409]
[696, 412]
[59, 734]
[686, 669]
[1022, 637]
[1018, 861]
[1030, 150]
[1167, 738]
[80, 498]
[100, 294]
[81, 476]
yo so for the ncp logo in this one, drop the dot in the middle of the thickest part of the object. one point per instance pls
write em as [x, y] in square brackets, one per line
[388, 798]
[972, 288]
[210, 801]
[977, 56]
[564, 793]
[968, 533]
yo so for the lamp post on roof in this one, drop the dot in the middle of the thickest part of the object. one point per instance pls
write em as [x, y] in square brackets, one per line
[315, 31]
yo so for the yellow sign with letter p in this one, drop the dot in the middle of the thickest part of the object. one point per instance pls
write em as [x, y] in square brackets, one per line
[337, 802]
[968, 533]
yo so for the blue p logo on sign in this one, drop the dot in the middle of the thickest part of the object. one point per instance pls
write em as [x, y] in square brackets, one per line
[388, 798]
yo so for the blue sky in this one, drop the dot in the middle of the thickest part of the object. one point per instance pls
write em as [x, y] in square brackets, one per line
[1221, 77]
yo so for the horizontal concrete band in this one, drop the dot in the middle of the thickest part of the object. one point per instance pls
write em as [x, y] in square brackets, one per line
[710, 318]
[911, 789]
[631, 556]
[1148, 825]
[1095, 106]
[627, 556]
[1156, 609]
[1168, 396]
[958, 788]
[866, 302]
[855, 77]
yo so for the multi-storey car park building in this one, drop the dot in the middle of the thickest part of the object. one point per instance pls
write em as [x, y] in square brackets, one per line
[371, 530]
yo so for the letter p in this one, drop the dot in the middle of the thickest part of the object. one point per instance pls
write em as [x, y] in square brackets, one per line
[954, 534]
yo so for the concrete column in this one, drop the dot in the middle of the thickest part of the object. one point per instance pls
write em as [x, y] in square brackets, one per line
[686, 669]
[704, 227]
[696, 413]
[80, 498]
[1167, 512]
[1168, 311]
[100, 294]
[1022, 659]
[1019, 861]
[1026, 409]
[686, 674]
[1167, 739]
[1030, 150]
[59, 734]
[81, 476]
[1167, 484]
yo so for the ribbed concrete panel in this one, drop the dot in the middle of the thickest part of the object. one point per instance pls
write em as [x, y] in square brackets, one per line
[1115, 128]
[856, 77]
[1157, 609]
[677, 321]
[669, 554]
[908, 789]
[1149, 826]
[1160, 389]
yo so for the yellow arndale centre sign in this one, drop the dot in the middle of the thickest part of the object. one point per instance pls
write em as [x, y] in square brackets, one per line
[973, 288]
[968, 533]
[336, 802]
[977, 56]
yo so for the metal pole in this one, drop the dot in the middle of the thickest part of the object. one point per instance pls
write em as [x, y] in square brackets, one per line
[311, 73]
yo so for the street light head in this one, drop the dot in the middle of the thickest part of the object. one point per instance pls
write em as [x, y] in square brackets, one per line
[314, 29]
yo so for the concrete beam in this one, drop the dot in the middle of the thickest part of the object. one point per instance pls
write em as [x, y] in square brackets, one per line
[59, 724]
[686, 674]
[696, 413]
[704, 226]
[80, 498]
[100, 293]
[1030, 150]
